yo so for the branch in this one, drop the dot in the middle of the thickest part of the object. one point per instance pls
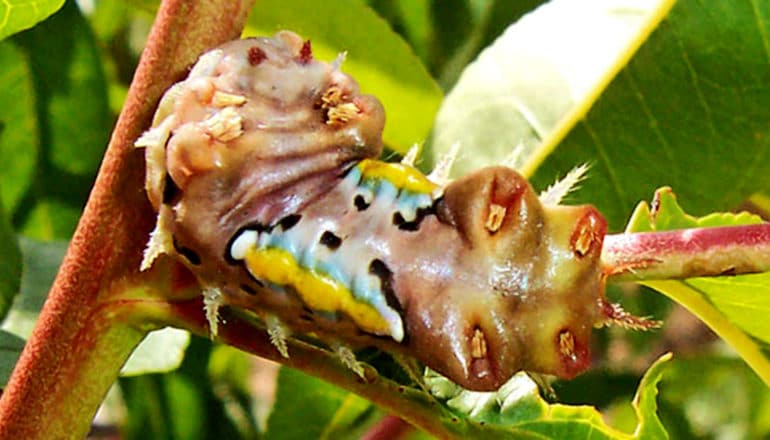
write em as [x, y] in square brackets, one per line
[53, 391]
[687, 253]
[415, 406]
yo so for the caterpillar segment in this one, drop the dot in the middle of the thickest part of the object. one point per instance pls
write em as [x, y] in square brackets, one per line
[264, 163]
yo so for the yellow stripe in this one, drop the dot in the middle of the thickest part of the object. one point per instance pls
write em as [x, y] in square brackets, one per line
[318, 291]
[400, 175]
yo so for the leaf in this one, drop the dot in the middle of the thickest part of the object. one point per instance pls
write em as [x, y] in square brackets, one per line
[463, 28]
[704, 395]
[380, 61]
[410, 19]
[17, 15]
[326, 411]
[689, 110]
[40, 262]
[669, 216]
[517, 410]
[160, 351]
[19, 142]
[717, 395]
[73, 122]
[177, 405]
[10, 349]
[736, 307]
[10, 263]
[521, 87]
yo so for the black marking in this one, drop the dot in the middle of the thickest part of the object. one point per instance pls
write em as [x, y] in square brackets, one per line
[306, 317]
[381, 270]
[307, 314]
[413, 225]
[330, 240]
[248, 289]
[289, 221]
[188, 253]
[255, 279]
[360, 203]
[170, 190]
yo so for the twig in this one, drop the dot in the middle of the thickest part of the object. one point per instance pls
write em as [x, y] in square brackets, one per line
[75, 353]
[413, 405]
[687, 253]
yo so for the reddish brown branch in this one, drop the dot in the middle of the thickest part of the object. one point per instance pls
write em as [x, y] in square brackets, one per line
[412, 405]
[47, 395]
[688, 253]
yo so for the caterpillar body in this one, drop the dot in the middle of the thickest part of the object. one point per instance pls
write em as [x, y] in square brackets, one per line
[262, 167]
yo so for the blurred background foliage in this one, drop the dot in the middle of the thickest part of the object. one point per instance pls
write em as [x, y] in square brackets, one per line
[64, 82]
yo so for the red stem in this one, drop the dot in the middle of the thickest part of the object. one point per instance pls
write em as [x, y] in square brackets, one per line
[50, 394]
[688, 253]
[389, 428]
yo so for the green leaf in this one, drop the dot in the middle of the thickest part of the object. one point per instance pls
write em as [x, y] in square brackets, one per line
[245, 385]
[73, 122]
[691, 104]
[19, 141]
[160, 351]
[326, 411]
[704, 395]
[178, 405]
[517, 410]
[410, 19]
[689, 110]
[717, 395]
[40, 262]
[10, 349]
[462, 28]
[10, 264]
[669, 216]
[520, 89]
[735, 307]
[381, 62]
[17, 15]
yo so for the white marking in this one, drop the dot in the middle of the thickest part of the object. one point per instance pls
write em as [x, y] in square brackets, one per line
[242, 244]
[366, 193]
[396, 324]
[409, 215]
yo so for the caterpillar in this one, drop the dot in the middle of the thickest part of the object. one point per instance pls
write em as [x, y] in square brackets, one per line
[262, 166]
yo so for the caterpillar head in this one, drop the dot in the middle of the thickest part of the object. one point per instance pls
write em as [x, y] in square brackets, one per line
[521, 286]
